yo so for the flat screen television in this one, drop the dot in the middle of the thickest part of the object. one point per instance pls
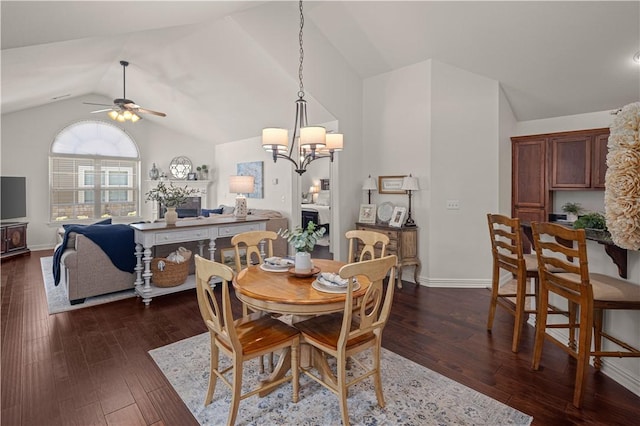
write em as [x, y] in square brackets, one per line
[13, 197]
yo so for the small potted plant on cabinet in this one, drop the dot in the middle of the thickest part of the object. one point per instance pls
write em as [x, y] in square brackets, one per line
[203, 172]
[572, 210]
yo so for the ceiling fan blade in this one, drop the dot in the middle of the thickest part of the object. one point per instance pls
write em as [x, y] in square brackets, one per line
[102, 110]
[92, 103]
[148, 111]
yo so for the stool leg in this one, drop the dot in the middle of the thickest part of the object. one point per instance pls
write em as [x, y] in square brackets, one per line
[597, 336]
[541, 326]
[584, 348]
[494, 295]
[521, 290]
[573, 309]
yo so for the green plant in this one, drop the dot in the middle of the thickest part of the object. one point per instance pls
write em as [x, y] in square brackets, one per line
[170, 196]
[202, 168]
[592, 220]
[303, 240]
[575, 208]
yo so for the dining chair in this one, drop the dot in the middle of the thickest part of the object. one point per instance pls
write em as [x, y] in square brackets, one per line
[565, 249]
[341, 336]
[240, 339]
[253, 242]
[369, 239]
[507, 252]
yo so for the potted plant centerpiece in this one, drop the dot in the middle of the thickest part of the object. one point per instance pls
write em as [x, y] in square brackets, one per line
[572, 210]
[170, 197]
[303, 241]
[203, 172]
[594, 225]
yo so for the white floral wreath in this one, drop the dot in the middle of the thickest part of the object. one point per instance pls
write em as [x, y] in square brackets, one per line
[622, 181]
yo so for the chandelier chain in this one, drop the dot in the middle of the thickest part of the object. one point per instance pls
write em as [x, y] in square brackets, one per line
[301, 91]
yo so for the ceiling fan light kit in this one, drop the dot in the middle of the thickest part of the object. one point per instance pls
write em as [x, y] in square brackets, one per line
[309, 143]
[124, 109]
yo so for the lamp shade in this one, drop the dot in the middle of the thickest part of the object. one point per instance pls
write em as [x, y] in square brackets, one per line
[334, 141]
[241, 184]
[369, 184]
[313, 137]
[314, 189]
[275, 138]
[410, 183]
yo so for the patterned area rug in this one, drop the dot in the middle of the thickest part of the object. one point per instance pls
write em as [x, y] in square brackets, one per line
[414, 395]
[57, 300]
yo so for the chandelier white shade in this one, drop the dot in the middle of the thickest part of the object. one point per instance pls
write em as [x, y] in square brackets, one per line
[308, 143]
[241, 185]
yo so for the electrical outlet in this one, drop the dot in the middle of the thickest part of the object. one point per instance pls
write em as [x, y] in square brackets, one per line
[453, 204]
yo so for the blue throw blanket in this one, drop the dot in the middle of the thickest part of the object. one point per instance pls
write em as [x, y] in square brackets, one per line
[115, 240]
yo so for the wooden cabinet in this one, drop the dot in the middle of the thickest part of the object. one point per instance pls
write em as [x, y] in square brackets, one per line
[579, 160]
[14, 239]
[530, 198]
[403, 242]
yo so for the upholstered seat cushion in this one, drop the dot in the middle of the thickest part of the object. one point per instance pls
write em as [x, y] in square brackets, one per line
[609, 289]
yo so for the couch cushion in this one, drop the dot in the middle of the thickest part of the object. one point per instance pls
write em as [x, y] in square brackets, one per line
[208, 212]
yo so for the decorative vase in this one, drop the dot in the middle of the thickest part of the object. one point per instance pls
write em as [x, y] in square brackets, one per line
[171, 216]
[572, 217]
[154, 173]
[303, 262]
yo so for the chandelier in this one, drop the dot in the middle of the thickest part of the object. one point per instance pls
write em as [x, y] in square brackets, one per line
[308, 143]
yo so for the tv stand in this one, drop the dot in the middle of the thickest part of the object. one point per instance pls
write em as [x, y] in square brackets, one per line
[14, 239]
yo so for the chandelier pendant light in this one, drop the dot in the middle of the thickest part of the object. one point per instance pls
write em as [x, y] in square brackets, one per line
[308, 143]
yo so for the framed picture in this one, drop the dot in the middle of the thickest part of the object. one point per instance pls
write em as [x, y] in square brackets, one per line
[367, 213]
[255, 169]
[192, 176]
[390, 185]
[397, 217]
[228, 257]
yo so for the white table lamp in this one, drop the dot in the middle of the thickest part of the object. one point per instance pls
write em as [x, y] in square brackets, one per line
[241, 185]
[369, 185]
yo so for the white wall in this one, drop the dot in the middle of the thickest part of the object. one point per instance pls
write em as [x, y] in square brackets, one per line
[26, 141]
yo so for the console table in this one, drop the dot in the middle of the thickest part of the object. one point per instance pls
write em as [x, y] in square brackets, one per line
[403, 242]
[148, 235]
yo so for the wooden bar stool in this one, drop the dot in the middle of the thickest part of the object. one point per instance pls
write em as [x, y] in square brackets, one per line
[506, 248]
[591, 293]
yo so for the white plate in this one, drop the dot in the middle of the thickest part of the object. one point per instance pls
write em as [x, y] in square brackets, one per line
[271, 268]
[385, 211]
[332, 289]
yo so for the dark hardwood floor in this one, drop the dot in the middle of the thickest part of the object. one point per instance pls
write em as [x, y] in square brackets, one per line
[91, 366]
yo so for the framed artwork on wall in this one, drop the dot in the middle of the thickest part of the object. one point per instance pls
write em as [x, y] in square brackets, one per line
[397, 217]
[390, 185]
[255, 169]
[367, 213]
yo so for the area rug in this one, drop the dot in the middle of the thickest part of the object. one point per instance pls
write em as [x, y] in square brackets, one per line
[414, 395]
[57, 300]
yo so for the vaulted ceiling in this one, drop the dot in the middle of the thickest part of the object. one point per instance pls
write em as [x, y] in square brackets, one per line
[222, 70]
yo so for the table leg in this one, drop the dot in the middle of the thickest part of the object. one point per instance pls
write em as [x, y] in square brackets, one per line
[138, 269]
[146, 290]
[212, 248]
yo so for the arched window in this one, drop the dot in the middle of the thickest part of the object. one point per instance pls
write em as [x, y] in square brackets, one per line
[94, 170]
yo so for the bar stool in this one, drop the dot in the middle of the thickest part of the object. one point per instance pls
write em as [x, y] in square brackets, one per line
[506, 248]
[558, 247]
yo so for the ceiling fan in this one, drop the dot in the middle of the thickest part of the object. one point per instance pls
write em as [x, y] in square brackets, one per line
[124, 109]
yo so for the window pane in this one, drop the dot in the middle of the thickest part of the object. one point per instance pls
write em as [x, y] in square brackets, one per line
[80, 180]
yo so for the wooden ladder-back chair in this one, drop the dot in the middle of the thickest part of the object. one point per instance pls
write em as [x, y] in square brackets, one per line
[507, 251]
[561, 248]
[242, 339]
[370, 239]
[253, 242]
[338, 336]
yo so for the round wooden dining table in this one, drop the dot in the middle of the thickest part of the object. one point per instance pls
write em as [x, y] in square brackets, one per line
[284, 293]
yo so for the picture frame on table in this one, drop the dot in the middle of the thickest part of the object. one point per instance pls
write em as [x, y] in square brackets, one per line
[397, 217]
[391, 184]
[192, 176]
[367, 213]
